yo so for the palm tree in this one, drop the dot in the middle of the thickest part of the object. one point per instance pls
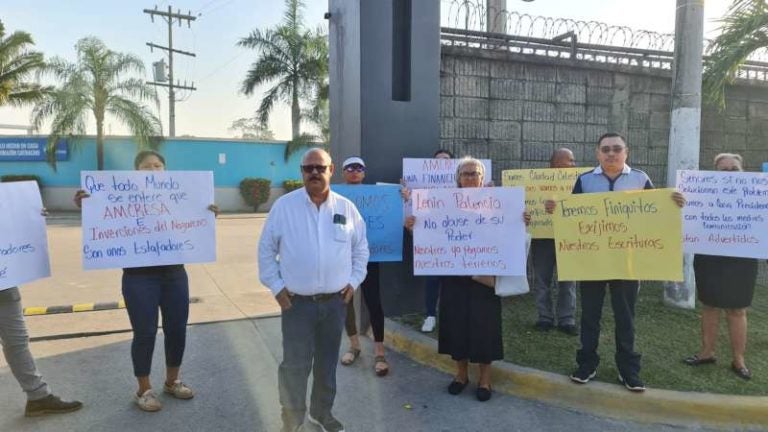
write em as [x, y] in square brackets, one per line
[744, 31]
[290, 55]
[97, 84]
[17, 64]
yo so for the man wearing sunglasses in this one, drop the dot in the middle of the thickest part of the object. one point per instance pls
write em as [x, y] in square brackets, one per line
[313, 254]
[613, 174]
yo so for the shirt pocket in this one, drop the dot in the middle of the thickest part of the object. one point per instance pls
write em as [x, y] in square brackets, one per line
[342, 233]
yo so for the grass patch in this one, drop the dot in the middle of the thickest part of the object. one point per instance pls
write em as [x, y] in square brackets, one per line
[664, 336]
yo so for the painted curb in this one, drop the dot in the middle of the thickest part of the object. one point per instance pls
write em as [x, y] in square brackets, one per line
[598, 398]
[83, 307]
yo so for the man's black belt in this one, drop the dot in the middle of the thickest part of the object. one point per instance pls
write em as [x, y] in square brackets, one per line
[318, 298]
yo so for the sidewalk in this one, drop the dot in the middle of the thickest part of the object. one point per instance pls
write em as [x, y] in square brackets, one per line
[228, 288]
[233, 368]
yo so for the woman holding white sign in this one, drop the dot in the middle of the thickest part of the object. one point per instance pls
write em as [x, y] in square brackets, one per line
[147, 290]
[470, 312]
[724, 283]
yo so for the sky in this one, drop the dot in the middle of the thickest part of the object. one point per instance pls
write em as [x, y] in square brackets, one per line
[220, 66]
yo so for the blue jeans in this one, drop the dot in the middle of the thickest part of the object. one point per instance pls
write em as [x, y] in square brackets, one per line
[311, 339]
[165, 288]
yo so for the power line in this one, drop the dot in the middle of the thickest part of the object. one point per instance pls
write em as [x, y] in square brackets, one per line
[170, 17]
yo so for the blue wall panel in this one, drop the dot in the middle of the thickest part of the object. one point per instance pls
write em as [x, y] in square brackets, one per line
[243, 159]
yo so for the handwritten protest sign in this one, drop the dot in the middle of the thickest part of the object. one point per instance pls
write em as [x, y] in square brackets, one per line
[542, 185]
[382, 210]
[24, 244]
[726, 213]
[471, 231]
[147, 218]
[634, 235]
[435, 173]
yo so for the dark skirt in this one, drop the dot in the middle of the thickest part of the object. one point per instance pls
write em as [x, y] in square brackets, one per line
[470, 321]
[725, 282]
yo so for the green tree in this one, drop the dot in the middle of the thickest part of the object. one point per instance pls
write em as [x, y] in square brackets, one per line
[744, 31]
[17, 64]
[101, 82]
[292, 57]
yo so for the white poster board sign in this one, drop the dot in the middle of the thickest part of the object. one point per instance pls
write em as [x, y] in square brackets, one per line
[435, 173]
[147, 218]
[471, 231]
[23, 244]
[726, 213]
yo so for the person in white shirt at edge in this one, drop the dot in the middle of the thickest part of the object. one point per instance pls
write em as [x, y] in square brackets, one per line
[313, 254]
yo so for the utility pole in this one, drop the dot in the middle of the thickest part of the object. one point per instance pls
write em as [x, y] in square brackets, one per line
[170, 17]
[495, 16]
[685, 124]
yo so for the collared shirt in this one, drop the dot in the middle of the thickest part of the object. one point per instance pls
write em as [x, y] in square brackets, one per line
[596, 181]
[312, 250]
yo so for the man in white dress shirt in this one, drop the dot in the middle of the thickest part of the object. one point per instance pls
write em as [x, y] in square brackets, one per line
[312, 255]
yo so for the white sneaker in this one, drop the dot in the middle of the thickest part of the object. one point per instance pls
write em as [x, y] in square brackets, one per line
[179, 390]
[148, 401]
[429, 324]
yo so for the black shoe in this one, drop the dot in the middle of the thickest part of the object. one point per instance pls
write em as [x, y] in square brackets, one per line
[483, 394]
[543, 326]
[583, 375]
[568, 329]
[741, 372]
[50, 405]
[632, 383]
[327, 423]
[695, 360]
[456, 387]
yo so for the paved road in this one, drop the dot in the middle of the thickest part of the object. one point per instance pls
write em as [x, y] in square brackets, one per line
[232, 365]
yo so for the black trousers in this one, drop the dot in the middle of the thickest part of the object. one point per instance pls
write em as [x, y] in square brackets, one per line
[372, 299]
[623, 299]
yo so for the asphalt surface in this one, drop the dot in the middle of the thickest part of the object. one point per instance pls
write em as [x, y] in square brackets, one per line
[233, 368]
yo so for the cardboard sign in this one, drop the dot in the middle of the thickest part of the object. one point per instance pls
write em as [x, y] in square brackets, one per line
[382, 210]
[435, 173]
[469, 231]
[147, 218]
[726, 213]
[24, 243]
[542, 185]
[633, 235]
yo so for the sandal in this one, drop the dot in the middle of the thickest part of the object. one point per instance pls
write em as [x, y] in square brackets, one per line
[695, 360]
[381, 371]
[350, 356]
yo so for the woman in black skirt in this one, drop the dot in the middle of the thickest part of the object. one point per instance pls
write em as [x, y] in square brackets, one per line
[724, 283]
[470, 312]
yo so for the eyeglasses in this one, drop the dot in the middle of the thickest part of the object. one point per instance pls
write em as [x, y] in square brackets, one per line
[730, 169]
[309, 169]
[616, 149]
[354, 168]
[471, 174]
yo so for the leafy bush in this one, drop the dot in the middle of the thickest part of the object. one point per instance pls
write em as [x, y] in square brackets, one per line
[21, 177]
[255, 191]
[292, 185]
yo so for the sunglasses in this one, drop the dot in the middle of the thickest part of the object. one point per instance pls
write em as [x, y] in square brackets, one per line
[354, 168]
[309, 169]
[730, 169]
[615, 149]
